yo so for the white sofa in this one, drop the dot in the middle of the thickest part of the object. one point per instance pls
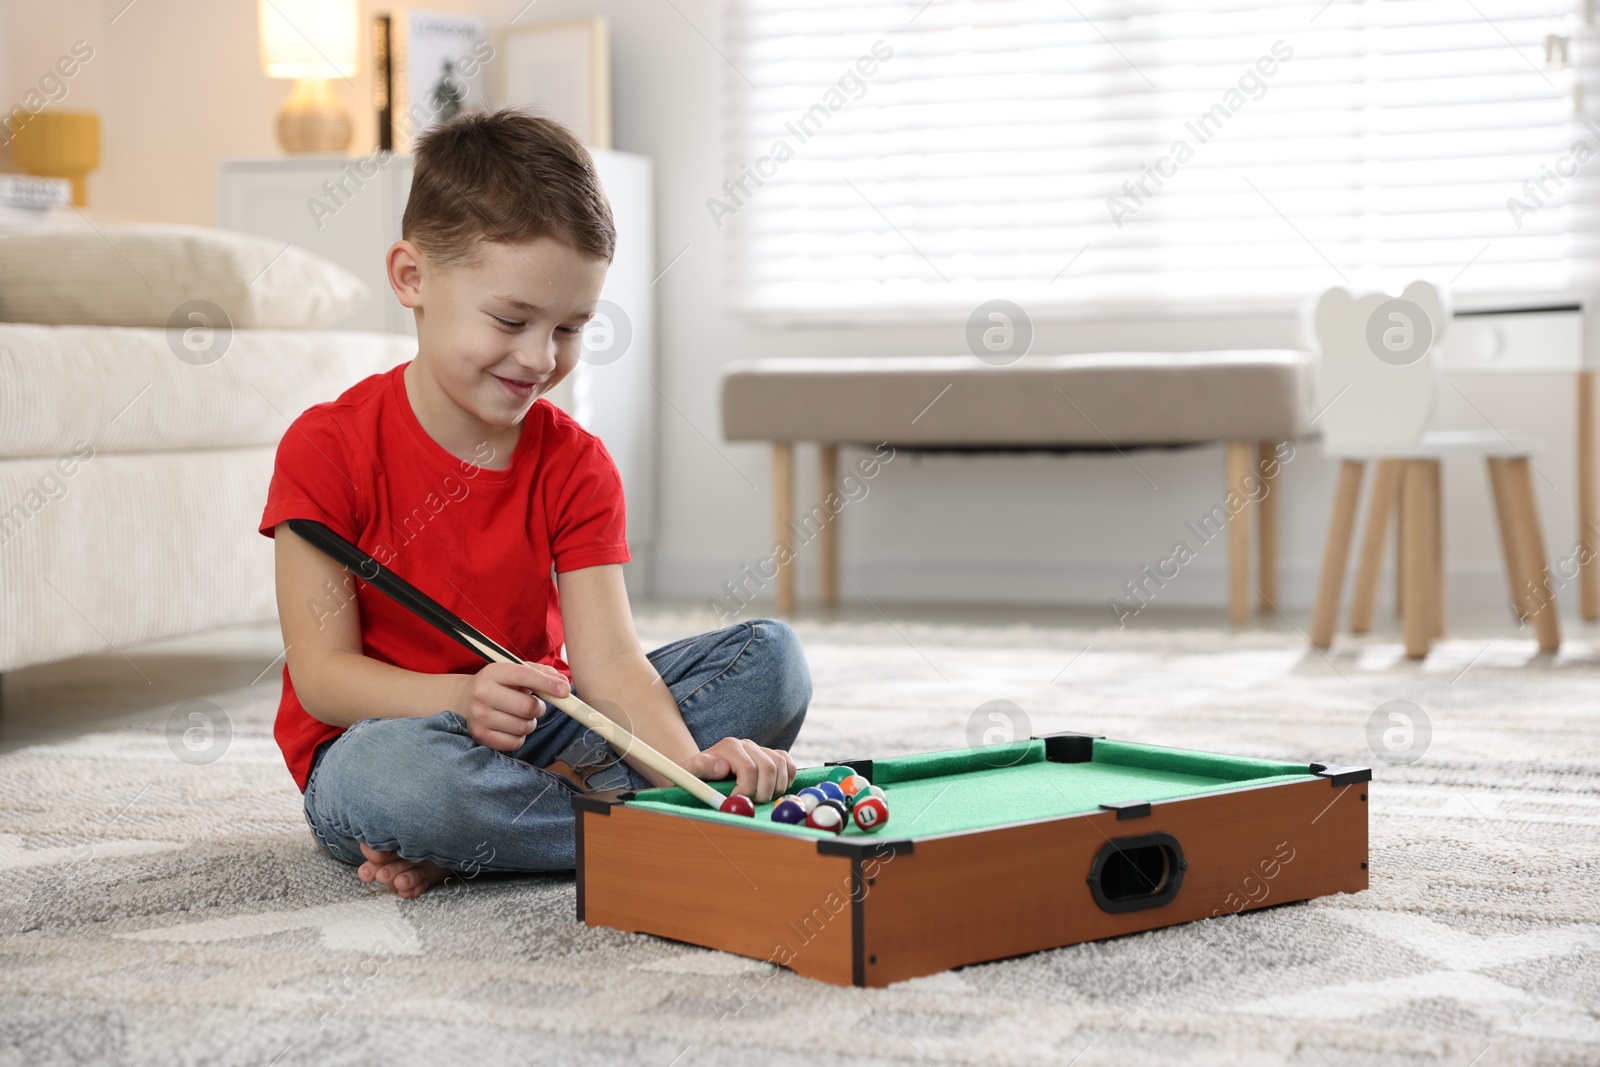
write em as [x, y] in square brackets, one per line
[131, 483]
[132, 480]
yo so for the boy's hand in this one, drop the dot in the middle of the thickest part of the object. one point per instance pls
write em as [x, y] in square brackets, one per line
[762, 773]
[500, 710]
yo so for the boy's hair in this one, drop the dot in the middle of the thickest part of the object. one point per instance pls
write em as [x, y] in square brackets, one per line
[504, 176]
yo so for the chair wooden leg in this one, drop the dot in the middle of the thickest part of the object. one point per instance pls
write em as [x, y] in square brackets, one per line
[1267, 526]
[1530, 537]
[782, 517]
[828, 537]
[1504, 507]
[1414, 545]
[1399, 556]
[1588, 504]
[1239, 461]
[1385, 489]
[1336, 553]
[1436, 604]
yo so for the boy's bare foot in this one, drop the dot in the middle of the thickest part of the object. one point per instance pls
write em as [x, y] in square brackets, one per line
[409, 879]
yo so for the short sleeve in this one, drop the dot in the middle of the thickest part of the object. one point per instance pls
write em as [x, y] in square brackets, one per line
[588, 517]
[313, 476]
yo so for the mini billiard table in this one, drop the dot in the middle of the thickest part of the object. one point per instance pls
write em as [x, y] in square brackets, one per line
[988, 852]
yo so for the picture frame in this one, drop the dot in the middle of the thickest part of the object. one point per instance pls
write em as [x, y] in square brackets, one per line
[562, 70]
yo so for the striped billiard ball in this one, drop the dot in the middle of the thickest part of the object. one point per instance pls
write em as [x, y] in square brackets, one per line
[870, 814]
[854, 785]
[831, 790]
[811, 796]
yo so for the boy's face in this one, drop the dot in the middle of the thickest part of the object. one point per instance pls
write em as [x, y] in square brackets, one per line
[500, 329]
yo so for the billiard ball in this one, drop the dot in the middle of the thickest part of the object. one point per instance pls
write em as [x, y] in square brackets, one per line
[879, 793]
[827, 816]
[853, 784]
[839, 774]
[831, 790]
[789, 810]
[871, 813]
[738, 805]
[811, 796]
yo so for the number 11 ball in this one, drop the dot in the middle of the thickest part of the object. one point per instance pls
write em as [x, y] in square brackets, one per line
[870, 814]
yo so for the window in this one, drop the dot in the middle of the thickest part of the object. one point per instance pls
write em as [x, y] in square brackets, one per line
[896, 159]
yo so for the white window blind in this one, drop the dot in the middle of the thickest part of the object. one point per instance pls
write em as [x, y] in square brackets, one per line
[1150, 154]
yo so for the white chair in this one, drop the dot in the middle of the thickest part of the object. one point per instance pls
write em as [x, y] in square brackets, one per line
[1375, 379]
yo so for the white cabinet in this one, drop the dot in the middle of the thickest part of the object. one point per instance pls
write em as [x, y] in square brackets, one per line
[348, 210]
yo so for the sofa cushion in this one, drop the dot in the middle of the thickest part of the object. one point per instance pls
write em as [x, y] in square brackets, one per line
[123, 390]
[1123, 398]
[148, 275]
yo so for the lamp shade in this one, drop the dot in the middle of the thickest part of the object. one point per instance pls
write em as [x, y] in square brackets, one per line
[308, 38]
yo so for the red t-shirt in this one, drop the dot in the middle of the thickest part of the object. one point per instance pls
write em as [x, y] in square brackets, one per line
[484, 543]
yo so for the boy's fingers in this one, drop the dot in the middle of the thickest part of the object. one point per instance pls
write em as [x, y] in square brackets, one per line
[539, 677]
[516, 702]
[766, 772]
[756, 770]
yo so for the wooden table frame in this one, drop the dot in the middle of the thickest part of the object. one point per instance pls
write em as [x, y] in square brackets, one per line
[868, 911]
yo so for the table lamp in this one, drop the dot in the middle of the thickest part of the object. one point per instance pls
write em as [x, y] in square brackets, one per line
[310, 41]
[60, 144]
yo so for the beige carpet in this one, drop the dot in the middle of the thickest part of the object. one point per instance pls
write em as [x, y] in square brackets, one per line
[154, 910]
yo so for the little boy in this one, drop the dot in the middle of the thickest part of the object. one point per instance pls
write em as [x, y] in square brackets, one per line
[414, 758]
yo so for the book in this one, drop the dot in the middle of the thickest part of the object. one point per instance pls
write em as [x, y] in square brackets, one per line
[28, 193]
[428, 67]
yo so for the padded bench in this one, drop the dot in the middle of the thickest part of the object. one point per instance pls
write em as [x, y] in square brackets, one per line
[1250, 400]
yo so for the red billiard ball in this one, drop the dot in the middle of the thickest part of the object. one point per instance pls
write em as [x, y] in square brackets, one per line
[829, 815]
[871, 813]
[738, 805]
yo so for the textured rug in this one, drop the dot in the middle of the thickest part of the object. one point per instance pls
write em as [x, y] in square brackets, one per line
[161, 906]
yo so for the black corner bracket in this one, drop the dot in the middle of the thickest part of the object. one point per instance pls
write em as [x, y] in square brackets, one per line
[862, 767]
[863, 848]
[1128, 809]
[1340, 775]
[600, 803]
[1068, 747]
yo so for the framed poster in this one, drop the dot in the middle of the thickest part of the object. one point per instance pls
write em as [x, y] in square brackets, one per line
[561, 70]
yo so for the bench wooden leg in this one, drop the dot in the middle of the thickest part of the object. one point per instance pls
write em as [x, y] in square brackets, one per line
[782, 517]
[1588, 505]
[1380, 506]
[1240, 458]
[1530, 539]
[828, 536]
[1336, 553]
[1436, 604]
[1414, 544]
[1267, 526]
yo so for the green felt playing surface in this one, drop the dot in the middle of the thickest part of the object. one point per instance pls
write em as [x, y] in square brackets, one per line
[975, 788]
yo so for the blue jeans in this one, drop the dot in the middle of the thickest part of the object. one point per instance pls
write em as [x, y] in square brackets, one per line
[425, 789]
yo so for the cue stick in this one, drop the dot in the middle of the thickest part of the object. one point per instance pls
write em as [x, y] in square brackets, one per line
[453, 626]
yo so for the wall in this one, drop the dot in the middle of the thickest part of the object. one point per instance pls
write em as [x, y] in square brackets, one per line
[179, 86]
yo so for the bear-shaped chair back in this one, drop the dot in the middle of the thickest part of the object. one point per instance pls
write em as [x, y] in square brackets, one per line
[1376, 369]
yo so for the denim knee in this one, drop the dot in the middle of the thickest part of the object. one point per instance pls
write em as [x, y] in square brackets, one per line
[785, 681]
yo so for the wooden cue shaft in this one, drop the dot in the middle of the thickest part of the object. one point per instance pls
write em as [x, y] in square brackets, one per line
[414, 600]
[616, 736]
